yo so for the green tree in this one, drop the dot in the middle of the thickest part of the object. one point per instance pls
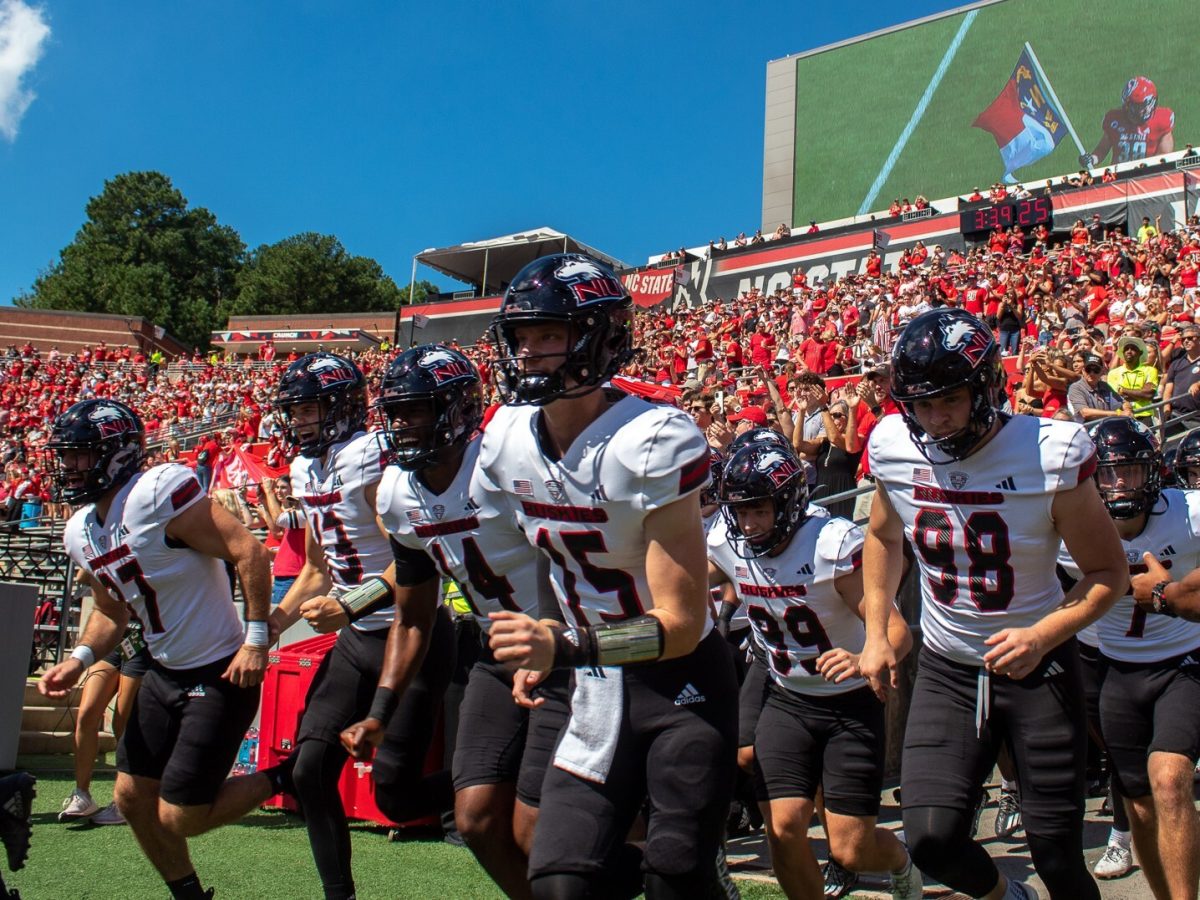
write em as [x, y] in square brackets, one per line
[143, 252]
[313, 274]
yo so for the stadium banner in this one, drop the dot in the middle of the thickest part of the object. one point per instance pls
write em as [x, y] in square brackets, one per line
[1017, 91]
[769, 266]
[1191, 188]
[1124, 202]
[651, 285]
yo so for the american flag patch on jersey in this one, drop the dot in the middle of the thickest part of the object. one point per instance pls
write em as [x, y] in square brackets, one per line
[521, 486]
[741, 572]
[414, 515]
[184, 493]
[922, 476]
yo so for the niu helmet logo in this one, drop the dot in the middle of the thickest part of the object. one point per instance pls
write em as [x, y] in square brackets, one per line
[965, 338]
[110, 421]
[444, 366]
[778, 468]
[588, 281]
[330, 371]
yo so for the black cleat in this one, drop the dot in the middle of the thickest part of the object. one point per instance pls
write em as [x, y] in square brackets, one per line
[16, 804]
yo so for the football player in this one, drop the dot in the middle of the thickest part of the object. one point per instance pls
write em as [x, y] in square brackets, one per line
[985, 499]
[1138, 129]
[322, 400]
[1150, 698]
[607, 486]
[431, 401]
[821, 726]
[154, 547]
[1187, 461]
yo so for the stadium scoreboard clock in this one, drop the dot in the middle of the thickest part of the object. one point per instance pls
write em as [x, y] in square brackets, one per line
[1026, 213]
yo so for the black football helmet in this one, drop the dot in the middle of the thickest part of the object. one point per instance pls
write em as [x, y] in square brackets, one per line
[939, 352]
[1187, 460]
[338, 386]
[115, 440]
[764, 472]
[1129, 466]
[582, 293]
[447, 384]
[760, 435]
[716, 465]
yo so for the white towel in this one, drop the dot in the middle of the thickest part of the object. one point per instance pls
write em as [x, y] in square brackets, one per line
[590, 741]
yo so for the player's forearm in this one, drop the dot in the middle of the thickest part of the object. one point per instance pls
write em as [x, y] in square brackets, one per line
[254, 570]
[1183, 597]
[103, 631]
[311, 582]
[1091, 597]
[681, 627]
[883, 567]
[899, 635]
[407, 642]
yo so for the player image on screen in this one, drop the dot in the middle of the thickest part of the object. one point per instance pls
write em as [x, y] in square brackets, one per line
[155, 548]
[432, 405]
[1138, 129]
[984, 498]
[344, 586]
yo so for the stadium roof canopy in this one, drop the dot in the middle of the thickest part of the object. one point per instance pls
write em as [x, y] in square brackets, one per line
[491, 264]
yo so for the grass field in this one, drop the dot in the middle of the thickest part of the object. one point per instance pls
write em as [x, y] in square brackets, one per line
[853, 103]
[263, 857]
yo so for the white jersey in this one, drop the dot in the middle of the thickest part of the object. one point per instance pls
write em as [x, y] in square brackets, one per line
[981, 527]
[183, 599]
[793, 603]
[343, 523]
[1172, 534]
[474, 543]
[586, 512]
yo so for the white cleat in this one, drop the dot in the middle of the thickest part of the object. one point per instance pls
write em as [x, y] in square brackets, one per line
[79, 805]
[1115, 862]
[907, 885]
[110, 815]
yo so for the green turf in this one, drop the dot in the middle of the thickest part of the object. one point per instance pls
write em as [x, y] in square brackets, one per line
[853, 103]
[265, 856]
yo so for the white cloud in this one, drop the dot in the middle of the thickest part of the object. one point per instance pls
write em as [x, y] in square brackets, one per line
[23, 34]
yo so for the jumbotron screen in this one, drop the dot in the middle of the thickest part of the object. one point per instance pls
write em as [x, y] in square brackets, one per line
[1014, 91]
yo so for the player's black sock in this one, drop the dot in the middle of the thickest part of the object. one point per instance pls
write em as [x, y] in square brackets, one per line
[280, 776]
[187, 888]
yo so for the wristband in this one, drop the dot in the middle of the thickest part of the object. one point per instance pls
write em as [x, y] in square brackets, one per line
[383, 705]
[1158, 602]
[84, 654]
[632, 641]
[257, 634]
[572, 648]
[365, 598]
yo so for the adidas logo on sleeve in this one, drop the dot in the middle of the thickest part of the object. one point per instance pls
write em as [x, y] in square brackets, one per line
[689, 695]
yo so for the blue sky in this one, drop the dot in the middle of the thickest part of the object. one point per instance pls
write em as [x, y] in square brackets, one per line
[399, 126]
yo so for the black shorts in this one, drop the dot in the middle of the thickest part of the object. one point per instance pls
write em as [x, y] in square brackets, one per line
[1148, 707]
[806, 742]
[344, 686]
[546, 724]
[1092, 668]
[751, 697]
[1041, 719]
[185, 730]
[135, 667]
[677, 744]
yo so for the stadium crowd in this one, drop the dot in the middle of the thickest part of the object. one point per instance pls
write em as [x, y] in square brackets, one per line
[1065, 311]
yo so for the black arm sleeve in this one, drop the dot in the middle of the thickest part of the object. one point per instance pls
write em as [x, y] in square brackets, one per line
[413, 567]
[548, 606]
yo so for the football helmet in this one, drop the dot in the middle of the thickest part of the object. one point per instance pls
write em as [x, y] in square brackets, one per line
[1140, 98]
[760, 435]
[113, 437]
[1187, 460]
[337, 386]
[764, 472]
[447, 384]
[939, 352]
[1128, 466]
[586, 296]
[716, 464]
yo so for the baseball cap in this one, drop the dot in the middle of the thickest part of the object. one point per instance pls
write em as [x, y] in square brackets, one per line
[1092, 361]
[884, 369]
[755, 414]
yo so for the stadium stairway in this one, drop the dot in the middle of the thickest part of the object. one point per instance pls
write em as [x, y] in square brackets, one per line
[48, 724]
